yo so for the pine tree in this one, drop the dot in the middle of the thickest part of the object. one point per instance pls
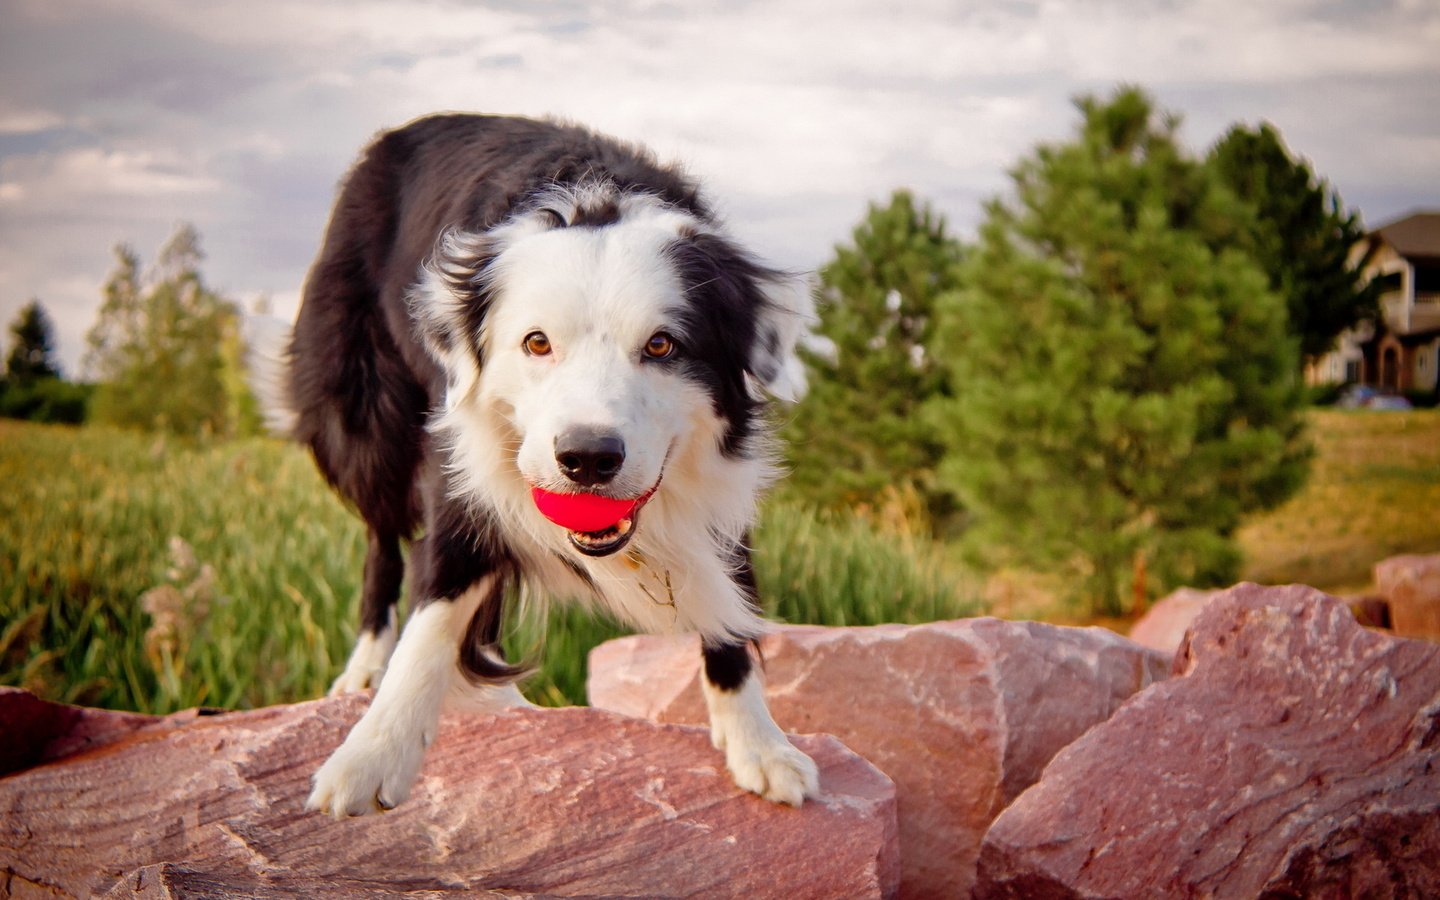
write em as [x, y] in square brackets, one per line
[1124, 387]
[1303, 237]
[32, 347]
[164, 347]
[31, 387]
[857, 437]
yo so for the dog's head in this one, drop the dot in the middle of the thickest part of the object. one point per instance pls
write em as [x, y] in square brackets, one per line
[601, 339]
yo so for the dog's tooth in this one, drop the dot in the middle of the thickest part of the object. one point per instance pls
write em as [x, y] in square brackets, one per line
[624, 526]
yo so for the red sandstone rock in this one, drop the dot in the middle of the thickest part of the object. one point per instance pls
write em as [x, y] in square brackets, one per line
[1163, 627]
[168, 881]
[962, 715]
[549, 802]
[1411, 587]
[33, 731]
[1294, 756]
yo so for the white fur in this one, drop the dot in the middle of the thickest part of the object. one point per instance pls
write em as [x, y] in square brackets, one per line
[376, 765]
[368, 660]
[267, 346]
[758, 754]
[599, 294]
[465, 697]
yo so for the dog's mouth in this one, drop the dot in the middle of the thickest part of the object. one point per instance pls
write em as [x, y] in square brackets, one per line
[596, 525]
[607, 541]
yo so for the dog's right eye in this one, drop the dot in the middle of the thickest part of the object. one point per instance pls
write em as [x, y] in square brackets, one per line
[537, 344]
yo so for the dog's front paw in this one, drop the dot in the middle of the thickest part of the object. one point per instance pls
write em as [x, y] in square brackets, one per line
[367, 774]
[774, 769]
[757, 753]
[366, 666]
[356, 678]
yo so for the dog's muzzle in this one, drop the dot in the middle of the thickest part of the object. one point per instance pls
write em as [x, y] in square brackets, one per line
[596, 525]
[604, 543]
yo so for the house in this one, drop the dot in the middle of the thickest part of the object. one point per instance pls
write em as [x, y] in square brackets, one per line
[1400, 352]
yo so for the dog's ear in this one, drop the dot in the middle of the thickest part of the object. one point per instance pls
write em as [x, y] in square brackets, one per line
[448, 305]
[786, 318]
[728, 282]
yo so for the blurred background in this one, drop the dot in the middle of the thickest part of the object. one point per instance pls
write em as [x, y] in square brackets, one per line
[1115, 299]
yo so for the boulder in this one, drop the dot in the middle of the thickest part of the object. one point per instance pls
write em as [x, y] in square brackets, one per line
[529, 802]
[1164, 625]
[962, 715]
[168, 881]
[1411, 588]
[1293, 755]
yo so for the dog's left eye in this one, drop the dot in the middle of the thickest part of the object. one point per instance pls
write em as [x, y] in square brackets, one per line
[660, 346]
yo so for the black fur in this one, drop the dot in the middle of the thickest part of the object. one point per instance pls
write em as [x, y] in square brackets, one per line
[727, 665]
[722, 284]
[363, 386]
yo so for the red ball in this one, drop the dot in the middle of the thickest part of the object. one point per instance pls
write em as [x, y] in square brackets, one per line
[581, 512]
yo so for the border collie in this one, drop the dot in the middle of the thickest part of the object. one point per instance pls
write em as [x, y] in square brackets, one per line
[534, 354]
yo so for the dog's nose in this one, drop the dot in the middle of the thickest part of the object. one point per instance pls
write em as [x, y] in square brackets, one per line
[588, 456]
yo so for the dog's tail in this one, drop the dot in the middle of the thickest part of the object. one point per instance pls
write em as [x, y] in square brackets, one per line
[267, 360]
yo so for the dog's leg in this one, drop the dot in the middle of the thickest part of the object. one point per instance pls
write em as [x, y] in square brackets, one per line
[757, 752]
[384, 569]
[375, 767]
[468, 697]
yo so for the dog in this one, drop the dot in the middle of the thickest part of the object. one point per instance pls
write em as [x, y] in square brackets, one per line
[507, 313]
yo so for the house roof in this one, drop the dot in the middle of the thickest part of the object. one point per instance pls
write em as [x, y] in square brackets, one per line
[1415, 235]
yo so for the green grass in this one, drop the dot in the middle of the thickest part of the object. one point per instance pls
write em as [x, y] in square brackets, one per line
[1374, 492]
[88, 519]
[263, 611]
[258, 606]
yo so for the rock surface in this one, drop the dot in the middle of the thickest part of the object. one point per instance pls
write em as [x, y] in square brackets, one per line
[1294, 755]
[531, 802]
[168, 881]
[1164, 625]
[962, 715]
[1411, 587]
[35, 731]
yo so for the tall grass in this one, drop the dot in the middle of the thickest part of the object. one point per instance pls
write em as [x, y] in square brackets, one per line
[140, 574]
[89, 515]
[1373, 492]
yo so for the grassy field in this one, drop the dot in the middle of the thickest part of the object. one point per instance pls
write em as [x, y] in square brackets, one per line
[1374, 492]
[140, 574]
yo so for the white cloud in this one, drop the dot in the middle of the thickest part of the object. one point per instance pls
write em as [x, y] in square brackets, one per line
[122, 116]
[78, 179]
[27, 121]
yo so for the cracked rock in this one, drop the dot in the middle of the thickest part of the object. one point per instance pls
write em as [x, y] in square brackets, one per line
[962, 715]
[1295, 754]
[529, 802]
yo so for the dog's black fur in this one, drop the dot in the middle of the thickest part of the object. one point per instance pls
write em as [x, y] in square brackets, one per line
[363, 386]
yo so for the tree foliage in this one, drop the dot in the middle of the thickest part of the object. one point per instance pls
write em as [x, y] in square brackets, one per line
[31, 387]
[1123, 386]
[166, 349]
[1302, 235]
[32, 346]
[857, 436]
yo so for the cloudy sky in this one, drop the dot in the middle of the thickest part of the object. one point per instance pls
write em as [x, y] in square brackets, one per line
[120, 118]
